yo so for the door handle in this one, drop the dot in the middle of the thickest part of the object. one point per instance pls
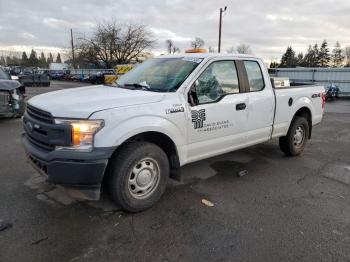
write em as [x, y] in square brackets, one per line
[241, 106]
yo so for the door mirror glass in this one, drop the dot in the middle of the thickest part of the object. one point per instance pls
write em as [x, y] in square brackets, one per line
[192, 94]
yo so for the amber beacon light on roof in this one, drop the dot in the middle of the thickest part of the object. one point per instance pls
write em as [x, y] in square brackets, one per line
[196, 50]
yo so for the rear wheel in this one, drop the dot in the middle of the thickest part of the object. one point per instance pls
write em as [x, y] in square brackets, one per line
[138, 175]
[294, 142]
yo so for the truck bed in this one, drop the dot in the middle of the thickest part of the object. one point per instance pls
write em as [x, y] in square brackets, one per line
[288, 102]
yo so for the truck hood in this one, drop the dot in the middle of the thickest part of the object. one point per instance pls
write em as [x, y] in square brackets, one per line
[82, 102]
[8, 85]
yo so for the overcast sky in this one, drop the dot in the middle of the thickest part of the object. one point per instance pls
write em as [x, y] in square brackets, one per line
[268, 26]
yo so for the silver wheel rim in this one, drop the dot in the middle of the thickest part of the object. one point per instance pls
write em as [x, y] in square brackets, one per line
[143, 178]
[299, 136]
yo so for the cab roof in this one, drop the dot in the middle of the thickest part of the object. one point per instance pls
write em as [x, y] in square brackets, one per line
[207, 55]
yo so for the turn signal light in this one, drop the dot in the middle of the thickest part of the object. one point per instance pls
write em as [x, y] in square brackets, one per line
[323, 100]
[83, 132]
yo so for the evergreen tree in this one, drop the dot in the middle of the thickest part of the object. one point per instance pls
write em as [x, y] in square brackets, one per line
[33, 60]
[308, 57]
[311, 56]
[274, 64]
[2, 61]
[49, 59]
[58, 58]
[42, 60]
[300, 59]
[323, 55]
[8, 60]
[16, 60]
[13, 60]
[288, 58]
[337, 56]
[24, 61]
[316, 51]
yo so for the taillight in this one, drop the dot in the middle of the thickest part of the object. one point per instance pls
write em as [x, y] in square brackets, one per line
[323, 99]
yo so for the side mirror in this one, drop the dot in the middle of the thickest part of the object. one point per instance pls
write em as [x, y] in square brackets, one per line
[192, 94]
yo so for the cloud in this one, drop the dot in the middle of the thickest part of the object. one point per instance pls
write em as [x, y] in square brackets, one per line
[279, 17]
[56, 23]
[27, 35]
[268, 26]
[164, 34]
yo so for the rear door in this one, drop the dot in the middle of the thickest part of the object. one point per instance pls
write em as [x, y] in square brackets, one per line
[218, 116]
[261, 102]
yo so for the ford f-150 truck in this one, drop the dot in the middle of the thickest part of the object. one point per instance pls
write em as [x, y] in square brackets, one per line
[167, 112]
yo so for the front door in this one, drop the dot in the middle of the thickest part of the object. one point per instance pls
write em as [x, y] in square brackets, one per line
[218, 111]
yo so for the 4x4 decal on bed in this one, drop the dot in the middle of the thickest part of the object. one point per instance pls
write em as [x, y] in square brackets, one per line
[198, 118]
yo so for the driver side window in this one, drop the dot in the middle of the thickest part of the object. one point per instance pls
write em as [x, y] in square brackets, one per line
[218, 79]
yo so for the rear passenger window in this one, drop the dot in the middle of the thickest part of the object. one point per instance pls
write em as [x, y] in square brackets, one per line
[255, 77]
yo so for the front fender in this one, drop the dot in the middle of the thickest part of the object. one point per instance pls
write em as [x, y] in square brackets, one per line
[119, 128]
[133, 127]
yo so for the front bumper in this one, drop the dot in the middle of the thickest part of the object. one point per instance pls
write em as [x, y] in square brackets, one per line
[81, 172]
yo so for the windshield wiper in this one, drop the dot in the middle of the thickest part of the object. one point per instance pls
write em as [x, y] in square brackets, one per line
[118, 85]
[139, 86]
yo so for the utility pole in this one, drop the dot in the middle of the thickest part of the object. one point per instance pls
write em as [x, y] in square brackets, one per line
[220, 26]
[71, 40]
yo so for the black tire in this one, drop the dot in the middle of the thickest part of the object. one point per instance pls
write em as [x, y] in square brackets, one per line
[290, 143]
[120, 171]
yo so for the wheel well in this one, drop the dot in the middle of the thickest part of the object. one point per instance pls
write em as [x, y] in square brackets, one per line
[306, 113]
[165, 143]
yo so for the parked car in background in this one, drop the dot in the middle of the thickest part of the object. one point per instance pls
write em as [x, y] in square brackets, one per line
[11, 96]
[34, 77]
[57, 74]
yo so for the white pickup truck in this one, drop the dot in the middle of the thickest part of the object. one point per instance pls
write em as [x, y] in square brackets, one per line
[167, 112]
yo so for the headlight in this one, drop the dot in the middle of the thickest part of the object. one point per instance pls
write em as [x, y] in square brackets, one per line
[83, 132]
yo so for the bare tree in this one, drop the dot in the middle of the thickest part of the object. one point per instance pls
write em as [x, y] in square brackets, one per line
[171, 48]
[113, 43]
[231, 50]
[169, 45]
[211, 49]
[197, 42]
[244, 49]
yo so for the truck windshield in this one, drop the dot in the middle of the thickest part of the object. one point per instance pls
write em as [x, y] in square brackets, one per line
[160, 74]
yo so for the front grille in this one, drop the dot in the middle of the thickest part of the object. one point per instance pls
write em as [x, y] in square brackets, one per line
[38, 135]
[39, 114]
[4, 98]
[40, 144]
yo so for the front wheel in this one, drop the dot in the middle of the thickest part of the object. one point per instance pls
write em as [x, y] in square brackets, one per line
[294, 142]
[138, 175]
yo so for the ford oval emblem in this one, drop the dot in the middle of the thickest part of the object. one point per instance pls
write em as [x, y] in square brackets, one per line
[29, 126]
